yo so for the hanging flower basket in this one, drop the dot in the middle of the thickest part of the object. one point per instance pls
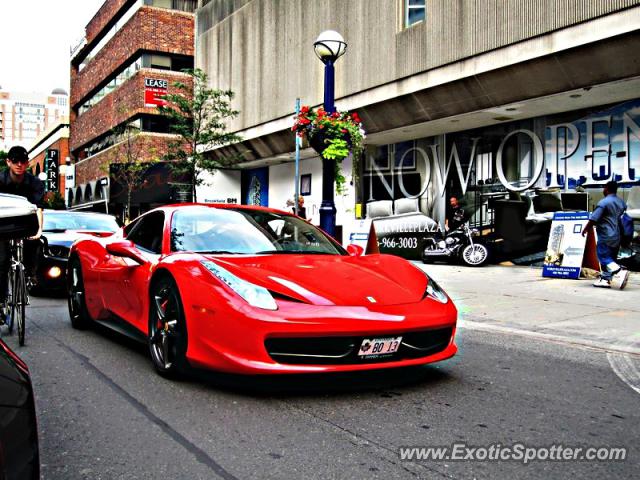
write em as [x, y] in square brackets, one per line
[334, 136]
[320, 141]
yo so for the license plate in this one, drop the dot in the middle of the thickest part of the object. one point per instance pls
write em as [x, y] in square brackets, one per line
[379, 346]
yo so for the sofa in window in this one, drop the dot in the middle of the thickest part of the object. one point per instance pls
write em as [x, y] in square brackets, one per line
[517, 228]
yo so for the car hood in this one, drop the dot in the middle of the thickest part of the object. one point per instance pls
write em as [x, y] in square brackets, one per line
[331, 279]
[67, 237]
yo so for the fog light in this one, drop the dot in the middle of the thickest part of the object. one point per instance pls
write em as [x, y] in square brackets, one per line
[54, 272]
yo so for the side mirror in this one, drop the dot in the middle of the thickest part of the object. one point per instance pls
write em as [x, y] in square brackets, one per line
[126, 249]
[355, 250]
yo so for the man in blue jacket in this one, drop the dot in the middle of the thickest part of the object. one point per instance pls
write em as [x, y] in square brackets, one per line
[606, 218]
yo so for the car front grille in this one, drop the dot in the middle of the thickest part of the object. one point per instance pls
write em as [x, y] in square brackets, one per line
[58, 251]
[344, 350]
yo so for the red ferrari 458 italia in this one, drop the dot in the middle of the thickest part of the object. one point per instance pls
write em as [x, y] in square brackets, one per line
[254, 290]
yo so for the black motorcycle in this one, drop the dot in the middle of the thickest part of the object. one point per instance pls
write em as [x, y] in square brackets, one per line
[462, 243]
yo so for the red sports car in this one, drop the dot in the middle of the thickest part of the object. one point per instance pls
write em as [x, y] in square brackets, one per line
[254, 290]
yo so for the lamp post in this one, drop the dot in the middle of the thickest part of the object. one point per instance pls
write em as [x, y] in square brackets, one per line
[329, 46]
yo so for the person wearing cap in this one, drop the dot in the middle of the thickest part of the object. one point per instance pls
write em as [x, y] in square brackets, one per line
[17, 181]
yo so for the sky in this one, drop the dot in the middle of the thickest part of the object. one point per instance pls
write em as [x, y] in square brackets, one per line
[36, 37]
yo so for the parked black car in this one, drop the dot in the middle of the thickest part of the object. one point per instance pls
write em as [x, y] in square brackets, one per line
[61, 228]
[19, 453]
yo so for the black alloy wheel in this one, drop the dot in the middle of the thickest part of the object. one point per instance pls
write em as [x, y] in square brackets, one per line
[76, 298]
[167, 328]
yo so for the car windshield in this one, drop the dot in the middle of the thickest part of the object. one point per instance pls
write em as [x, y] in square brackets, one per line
[245, 231]
[58, 222]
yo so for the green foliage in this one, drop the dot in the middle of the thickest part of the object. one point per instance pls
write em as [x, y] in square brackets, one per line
[3, 158]
[54, 201]
[127, 154]
[198, 116]
[336, 128]
[342, 132]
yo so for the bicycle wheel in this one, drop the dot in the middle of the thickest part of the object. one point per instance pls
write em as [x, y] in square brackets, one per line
[19, 302]
[9, 302]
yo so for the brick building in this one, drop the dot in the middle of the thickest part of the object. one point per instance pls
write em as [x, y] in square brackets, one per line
[50, 154]
[132, 53]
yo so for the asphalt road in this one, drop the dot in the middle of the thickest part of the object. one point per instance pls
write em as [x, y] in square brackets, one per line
[104, 413]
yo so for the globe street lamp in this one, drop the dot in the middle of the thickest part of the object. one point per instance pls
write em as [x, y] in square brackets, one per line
[329, 46]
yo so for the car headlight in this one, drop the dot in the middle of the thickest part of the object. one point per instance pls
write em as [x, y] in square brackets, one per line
[255, 295]
[434, 291]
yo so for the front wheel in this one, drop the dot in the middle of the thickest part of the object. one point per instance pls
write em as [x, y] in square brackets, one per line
[167, 336]
[76, 299]
[18, 303]
[475, 255]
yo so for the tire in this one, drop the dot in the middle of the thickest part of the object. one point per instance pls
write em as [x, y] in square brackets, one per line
[474, 255]
[18, 304]
[76, 298]
[9, 306]
[167, 333]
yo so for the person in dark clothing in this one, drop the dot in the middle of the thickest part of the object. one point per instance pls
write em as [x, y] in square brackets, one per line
[606, 218]
[17, 181]
[456, 215]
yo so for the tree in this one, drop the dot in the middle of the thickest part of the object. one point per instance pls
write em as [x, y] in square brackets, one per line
[197, 115]
[54, 201]
[3, 158]
[129, 170]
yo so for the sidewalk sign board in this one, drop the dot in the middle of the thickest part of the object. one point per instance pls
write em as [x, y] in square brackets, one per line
[590, 256]
[363, 233]
[566, 246]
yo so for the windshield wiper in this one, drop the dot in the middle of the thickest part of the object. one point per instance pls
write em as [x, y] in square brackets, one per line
[219, 252]
[55, 230]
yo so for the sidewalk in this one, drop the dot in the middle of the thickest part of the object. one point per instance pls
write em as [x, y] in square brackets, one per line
[517, 299]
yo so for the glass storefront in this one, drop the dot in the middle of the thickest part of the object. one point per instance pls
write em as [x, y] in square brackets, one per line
[551, 163]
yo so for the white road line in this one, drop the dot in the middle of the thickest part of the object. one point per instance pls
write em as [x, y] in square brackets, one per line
[624, 366]
[624, 359]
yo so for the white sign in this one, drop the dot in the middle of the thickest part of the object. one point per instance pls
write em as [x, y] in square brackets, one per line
[70, 177]
[565, 249]
[357, 233]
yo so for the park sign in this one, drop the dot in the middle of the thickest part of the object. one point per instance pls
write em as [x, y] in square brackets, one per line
[51, 168]
[154, 90]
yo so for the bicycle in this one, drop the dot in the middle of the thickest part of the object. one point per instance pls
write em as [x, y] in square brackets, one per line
[18, 296]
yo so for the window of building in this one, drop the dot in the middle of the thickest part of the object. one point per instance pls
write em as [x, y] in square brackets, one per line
[178, 64]
[175, 63]
[161, 61]
[182, 5]
[415, 11]
[145, 123]
[119, 79]
[122, 21]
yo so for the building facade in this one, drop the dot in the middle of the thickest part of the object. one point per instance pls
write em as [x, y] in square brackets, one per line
[25, 116]
[491, 102]
[132, 53]
[50, 156]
